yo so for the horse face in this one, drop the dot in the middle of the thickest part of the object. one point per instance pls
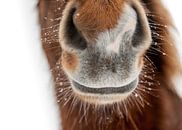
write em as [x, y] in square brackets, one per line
[103, 44]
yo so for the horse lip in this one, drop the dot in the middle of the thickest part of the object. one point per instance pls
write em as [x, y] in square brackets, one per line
[109, 90]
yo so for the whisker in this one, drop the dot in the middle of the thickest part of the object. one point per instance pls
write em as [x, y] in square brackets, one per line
[147, 58]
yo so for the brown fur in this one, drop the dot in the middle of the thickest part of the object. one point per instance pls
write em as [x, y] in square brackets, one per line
[93, 15]
[160, 109]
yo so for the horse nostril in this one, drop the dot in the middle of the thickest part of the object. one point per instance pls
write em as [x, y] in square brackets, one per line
[142, 35]
[68, 31]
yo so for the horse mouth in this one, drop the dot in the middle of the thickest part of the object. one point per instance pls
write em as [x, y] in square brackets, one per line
[104, 95]
[106, 90]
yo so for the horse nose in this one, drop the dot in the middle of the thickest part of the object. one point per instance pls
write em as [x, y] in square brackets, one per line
[81, 24]
[129, 28]
[70, 37]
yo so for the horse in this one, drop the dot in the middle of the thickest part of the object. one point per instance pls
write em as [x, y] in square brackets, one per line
[113, 63]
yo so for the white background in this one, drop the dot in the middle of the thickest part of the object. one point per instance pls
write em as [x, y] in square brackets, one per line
[26, 93]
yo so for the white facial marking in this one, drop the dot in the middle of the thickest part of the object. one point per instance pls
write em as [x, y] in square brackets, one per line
[114, 46]
[130, 25]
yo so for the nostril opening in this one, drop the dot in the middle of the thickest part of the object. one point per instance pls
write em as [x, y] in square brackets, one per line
[142, 35]
[73, 37]
[138, 34]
